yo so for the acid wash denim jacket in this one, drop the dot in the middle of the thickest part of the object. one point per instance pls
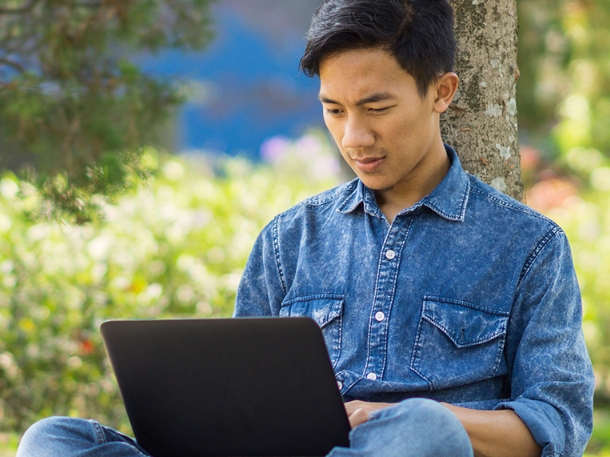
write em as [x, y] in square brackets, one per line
[468, 297]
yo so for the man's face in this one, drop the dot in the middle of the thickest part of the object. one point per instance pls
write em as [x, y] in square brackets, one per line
[388, 134]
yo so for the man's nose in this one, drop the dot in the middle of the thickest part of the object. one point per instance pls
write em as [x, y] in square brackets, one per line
[357, 134]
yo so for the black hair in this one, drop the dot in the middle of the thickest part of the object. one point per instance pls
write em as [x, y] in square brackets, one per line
[418, 33]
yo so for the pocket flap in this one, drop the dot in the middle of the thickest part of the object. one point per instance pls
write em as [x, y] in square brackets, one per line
[321, 308]
[465, 324]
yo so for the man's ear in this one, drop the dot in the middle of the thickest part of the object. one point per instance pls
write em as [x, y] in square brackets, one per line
[446, 87]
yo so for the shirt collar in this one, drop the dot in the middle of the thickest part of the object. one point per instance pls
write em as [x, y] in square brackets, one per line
[448, 199]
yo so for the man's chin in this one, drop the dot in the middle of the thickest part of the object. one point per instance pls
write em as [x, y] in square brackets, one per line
[378, 188]
[375, 183]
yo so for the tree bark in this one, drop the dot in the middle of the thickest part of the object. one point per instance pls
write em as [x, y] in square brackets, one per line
[482, 121]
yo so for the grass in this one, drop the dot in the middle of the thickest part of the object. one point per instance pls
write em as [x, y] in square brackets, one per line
[599, 445]
[8, 444]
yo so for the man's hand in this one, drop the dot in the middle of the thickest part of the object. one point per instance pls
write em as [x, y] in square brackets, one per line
[358, 411]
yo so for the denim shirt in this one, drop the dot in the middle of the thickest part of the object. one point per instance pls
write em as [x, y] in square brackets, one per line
[467, 297]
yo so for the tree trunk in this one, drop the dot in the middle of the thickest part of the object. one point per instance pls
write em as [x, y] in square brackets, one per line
[482, 121]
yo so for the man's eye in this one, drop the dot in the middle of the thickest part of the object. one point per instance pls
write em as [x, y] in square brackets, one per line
[334, 111]
[378, 110]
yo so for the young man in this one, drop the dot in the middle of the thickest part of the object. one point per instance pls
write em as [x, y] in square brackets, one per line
[426, 282]
[451, 313]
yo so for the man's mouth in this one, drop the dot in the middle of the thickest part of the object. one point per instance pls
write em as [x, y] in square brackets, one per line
[368, 164]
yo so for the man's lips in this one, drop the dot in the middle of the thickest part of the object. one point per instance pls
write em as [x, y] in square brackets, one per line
[368, 164]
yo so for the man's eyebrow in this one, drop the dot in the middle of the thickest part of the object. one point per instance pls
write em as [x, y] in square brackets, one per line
[379, 97]
[325, 99]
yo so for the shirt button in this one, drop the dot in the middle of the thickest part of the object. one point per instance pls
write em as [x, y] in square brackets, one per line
[379, 316]
[339, 385]
[389, 254]
[371, 376]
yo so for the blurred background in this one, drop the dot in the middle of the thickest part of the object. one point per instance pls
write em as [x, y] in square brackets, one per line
[239, 138]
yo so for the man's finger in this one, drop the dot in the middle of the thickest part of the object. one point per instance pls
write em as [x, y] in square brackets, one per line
[359, 416]
[352, 406]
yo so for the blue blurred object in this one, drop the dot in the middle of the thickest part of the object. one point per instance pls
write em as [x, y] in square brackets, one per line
[245, 87]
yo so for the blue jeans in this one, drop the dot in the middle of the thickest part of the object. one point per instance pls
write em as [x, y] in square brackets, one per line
[414, 427]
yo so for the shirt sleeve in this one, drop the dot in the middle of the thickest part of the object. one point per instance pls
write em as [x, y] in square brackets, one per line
[262, 288]
[551, 376]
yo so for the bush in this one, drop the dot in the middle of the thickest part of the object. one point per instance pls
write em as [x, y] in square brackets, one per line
[175, 248]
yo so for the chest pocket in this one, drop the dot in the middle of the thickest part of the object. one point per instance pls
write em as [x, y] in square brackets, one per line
[327, 311]
[458, 343]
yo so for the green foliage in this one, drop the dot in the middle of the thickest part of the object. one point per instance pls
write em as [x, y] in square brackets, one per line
[70, 93]
[599, 445]
[564, 92]
[175, 248]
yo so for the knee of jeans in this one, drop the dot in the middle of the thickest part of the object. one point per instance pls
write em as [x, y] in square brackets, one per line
[422, 408]
[52, 426]
[39, 433]
[417, 426]
[444, 430]
[424, 411]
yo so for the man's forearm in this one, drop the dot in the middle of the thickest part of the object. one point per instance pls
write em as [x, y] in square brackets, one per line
[496, 433]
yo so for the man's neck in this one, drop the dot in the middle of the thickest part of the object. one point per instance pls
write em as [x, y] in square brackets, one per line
[394, 200]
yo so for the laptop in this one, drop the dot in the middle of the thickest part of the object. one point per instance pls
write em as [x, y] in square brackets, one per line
[227, 387]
